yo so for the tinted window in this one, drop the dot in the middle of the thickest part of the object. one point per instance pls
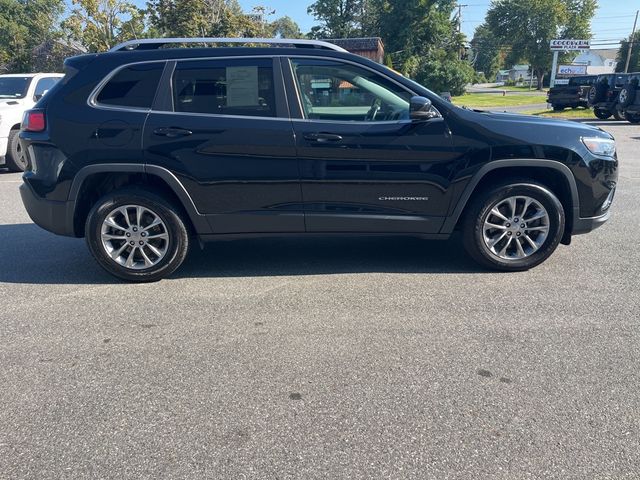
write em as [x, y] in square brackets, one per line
[134, 86]
[332, 90]
[44, 85]
[14, 87]
[582, 81]
[225, 87]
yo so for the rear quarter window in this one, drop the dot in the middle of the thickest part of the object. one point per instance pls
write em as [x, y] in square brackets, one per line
[134, 86]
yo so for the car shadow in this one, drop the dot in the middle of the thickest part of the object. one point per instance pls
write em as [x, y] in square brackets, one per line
[32, 255]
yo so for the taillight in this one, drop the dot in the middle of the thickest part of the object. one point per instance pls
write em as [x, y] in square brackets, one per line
[34, 121]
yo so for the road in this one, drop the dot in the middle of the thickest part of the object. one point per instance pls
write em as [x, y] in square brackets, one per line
[334, 359]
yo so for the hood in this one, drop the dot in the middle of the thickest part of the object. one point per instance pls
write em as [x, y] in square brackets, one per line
[514, 121]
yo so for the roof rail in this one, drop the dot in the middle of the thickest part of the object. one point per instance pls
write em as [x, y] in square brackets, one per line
[155, 43]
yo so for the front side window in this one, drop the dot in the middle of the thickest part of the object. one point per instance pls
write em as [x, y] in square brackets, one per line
[14, 87]
[242, 87]
[332, 90]
[134, 86]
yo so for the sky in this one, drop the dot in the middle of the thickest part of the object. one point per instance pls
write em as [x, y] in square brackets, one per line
[613, 20]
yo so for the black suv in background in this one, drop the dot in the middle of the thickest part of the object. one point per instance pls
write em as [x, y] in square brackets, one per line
[603, 96]
[143, 149]
[629, 99]
[575, 94]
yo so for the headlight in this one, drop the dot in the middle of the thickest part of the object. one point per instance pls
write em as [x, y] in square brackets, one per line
[600, 146]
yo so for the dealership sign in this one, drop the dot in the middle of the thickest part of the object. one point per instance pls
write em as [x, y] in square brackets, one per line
[572, 70]
[570, 45]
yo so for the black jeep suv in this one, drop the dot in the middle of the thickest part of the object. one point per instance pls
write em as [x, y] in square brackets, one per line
[574, 94]
[143, 149]
[603, 96]
[629, 98]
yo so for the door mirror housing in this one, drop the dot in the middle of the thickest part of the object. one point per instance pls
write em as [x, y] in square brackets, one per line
[421, 108]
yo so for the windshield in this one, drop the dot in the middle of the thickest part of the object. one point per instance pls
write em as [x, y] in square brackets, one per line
[14, 87]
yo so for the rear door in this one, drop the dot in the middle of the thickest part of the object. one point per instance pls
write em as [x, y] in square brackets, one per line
[365, 167]
[223, 128]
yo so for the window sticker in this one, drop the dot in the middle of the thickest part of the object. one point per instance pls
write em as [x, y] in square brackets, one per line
[242, 86]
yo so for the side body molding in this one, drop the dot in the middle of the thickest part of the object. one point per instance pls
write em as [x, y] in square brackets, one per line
[451, 221]
[199, 221]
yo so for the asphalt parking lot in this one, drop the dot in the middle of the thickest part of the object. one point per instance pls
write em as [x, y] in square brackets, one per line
[334, 358]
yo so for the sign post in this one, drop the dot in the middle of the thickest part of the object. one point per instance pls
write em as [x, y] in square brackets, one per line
[565, 45]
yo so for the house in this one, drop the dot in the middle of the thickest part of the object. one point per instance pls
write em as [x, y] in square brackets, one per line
[518, 73]
[598, 61]
[370, 47]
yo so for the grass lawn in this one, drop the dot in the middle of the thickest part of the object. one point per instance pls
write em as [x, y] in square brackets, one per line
[569, 113]
[497, 100]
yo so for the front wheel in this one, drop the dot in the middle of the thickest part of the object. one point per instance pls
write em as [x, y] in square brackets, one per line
[602, 114]
[136, 235]
[513, 226]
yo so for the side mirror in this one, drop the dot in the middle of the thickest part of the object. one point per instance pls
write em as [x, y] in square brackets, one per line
[420, 108]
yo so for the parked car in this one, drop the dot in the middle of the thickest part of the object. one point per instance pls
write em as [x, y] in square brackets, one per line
[19, 93]
[629, 99]
[603, 96]
[575, 94]
[143, 150]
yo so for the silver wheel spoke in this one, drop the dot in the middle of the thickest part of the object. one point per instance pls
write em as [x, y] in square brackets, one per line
[512, 205]
[158, 236]
[521, 253]
[155, 223]
[154, 250]
[531, 242]
[116, 253]
[494, 242]
[493, 225]
[542, 228]
[124, 213]
[129, 262]
[107, 236]
[110, 222]
[536, 216]
[147, 260]
[504, 249]
[527, 203]
[497, 213]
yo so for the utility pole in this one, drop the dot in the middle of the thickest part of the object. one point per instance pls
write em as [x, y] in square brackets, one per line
[460, 7]
[631, 41]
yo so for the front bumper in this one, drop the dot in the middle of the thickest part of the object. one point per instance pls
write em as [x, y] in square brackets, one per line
[586, 225]
[56, 217]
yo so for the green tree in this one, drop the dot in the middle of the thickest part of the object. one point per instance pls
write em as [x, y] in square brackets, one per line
[528, 26]
[338, 18]
[101, 24]
[25, 24]
[487, 53]
[285, 27]
[621, 58]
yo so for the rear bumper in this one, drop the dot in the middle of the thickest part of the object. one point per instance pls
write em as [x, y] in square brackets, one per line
[56, 217]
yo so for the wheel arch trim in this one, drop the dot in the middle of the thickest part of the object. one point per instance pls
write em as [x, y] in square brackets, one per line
[452, 220]
[199, 221]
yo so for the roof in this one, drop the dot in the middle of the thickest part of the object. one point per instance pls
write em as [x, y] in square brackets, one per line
[358, 44]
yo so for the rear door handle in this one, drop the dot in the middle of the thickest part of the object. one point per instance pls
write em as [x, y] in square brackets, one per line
[323, 137]
[172, 132]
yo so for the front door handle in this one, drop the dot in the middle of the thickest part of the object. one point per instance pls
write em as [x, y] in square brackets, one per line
[323, 137]
[172, 132]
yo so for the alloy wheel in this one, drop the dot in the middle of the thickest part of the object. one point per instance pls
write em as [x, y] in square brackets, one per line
[516, 228]
[134, 237]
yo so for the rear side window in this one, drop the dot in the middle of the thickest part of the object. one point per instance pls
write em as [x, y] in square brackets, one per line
[134, 86]
[44, 85]
[225, 87]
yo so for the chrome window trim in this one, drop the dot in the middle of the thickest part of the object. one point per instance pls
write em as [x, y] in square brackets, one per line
[93, 103]
[347, 122]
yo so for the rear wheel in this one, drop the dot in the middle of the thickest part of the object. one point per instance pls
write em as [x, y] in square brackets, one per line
[619, 115]
[16, 158]
[602, 114]
[136, 235]
[633, 118]
[513, 226]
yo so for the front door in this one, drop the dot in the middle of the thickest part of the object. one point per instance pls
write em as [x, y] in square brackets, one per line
[365, 166]
[225, 132]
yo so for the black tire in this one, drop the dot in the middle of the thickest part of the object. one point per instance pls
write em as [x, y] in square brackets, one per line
[174, 226]
[479, 210]
[619, 115]
[597, 93]
[602, 114]
[16, 158]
